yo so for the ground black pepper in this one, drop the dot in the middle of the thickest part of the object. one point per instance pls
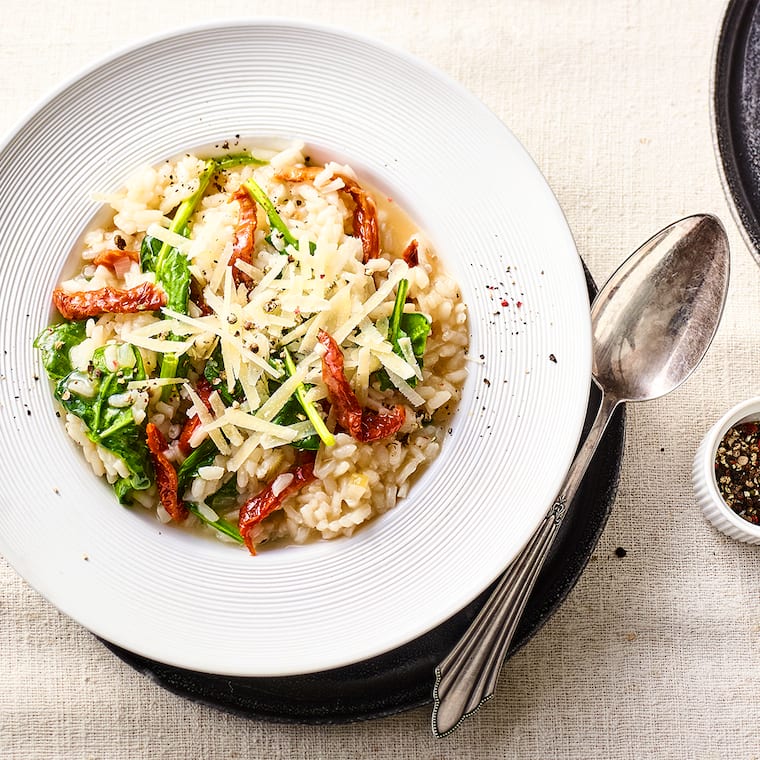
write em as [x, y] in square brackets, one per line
[737, 470]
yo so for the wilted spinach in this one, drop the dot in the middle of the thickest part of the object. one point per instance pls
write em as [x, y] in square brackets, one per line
[203, 456]
[149, 253]
[217, 377]
[55, 343]
[88, 395]
[291, 413]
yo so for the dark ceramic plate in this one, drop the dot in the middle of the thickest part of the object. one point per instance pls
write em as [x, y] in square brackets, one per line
[403, 678]
[736, 107]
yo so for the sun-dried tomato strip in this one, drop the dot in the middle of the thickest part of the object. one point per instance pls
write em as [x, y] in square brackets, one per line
[242, 245]
[265, 502]
[92, 303]
[166, 476]
[204, 391]
[299, 173]
[411, 253]
[365, 211]
[365, 218]
[197, 297]
[364, 424]
[109, 257]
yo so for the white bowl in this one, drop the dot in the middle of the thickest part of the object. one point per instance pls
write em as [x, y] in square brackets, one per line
[703, 475]
[200, 605]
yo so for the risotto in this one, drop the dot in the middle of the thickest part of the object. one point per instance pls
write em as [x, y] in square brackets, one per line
[256, 346]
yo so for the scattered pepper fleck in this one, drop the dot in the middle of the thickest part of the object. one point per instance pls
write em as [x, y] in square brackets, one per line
[552, 358]
[487, 381]
[620, 552]
[737, 470]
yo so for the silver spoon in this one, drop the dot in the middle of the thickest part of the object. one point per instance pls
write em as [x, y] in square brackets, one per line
[652, 324]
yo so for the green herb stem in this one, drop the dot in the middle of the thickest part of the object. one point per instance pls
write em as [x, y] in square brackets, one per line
[186, 209]
[275, 220]
[311, 411]
[223, 526]
[414, 326]
[238, 159]
[398, 310]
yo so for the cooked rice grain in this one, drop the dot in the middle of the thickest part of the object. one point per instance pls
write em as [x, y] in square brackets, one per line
[354, 481]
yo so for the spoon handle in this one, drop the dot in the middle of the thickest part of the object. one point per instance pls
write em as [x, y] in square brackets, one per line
[467, 677]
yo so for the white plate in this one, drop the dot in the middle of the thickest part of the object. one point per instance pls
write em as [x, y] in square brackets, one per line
[194, 603]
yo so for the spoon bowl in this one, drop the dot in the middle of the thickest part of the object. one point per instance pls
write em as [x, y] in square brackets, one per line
[651, 325]
[655, 317]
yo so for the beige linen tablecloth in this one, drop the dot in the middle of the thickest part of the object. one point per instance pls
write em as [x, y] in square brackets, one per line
[656, 654]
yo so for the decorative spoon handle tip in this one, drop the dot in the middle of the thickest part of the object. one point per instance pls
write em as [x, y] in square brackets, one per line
[467, 677]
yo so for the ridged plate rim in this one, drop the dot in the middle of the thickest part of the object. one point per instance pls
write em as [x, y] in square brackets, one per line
[160, 593]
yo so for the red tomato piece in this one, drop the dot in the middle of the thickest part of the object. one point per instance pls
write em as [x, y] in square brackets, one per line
[365, 218]
[112, 255]
[265, 502]
[166, 475]
[92, 303]
[366, 425]
[197, 297]
[242, 245]
[365, 211]
[204, 390]
[411, 254]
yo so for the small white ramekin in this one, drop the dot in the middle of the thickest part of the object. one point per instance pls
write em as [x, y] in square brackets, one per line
[703, 475]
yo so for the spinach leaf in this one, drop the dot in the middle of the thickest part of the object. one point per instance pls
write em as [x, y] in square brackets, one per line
[88, 396]
[122, 488]
[417, 328]
[226, 496]
[109, 419]
[83, 407]
[173, 273]
[203, 456]
[215, 374]
[55, 343]
[129, 443]
[149, 253]
[291, 413]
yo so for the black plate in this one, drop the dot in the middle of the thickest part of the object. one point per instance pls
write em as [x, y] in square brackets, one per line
[736, 107]
[403, 678]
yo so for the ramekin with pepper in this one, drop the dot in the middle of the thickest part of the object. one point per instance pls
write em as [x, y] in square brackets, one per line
[726, 473]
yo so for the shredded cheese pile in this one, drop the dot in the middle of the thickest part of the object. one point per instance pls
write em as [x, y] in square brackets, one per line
[320, 284]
